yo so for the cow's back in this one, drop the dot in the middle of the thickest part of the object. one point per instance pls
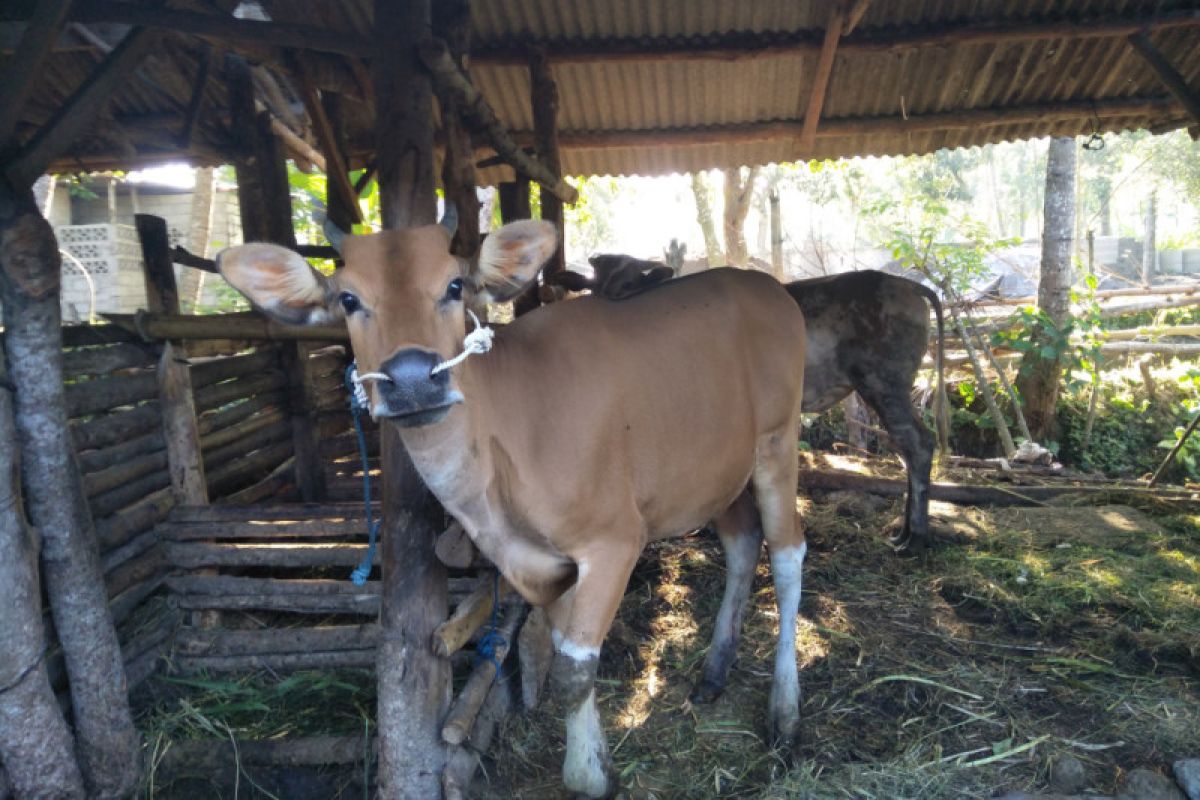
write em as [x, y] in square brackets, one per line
[657, 400]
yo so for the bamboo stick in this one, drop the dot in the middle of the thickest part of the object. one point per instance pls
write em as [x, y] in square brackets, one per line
[466, 706]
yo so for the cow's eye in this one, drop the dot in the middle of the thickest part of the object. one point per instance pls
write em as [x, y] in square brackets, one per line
[349, 302]
[454, 289]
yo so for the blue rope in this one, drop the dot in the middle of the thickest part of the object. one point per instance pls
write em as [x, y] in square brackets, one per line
[357, 407]
[492, 640]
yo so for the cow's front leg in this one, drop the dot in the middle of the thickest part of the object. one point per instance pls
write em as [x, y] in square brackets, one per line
[581, 619]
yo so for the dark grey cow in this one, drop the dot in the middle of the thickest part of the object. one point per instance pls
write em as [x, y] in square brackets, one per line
[867, 332]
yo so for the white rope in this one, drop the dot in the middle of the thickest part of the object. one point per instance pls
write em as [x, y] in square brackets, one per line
[360, 393]
[477, 341]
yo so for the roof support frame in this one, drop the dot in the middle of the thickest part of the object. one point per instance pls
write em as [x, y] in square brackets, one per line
[25, 67]
[1170, 77]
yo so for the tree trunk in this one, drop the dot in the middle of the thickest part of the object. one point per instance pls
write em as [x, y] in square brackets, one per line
[191, 281]
[108, 745]
[1149, 247]
[738, 194]
[1039, 379]
[704, 216]
[35, 744]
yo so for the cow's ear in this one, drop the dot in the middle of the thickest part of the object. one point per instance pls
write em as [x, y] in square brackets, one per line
[657, 275]
[511, 257]
[570, 280]
[279, 282]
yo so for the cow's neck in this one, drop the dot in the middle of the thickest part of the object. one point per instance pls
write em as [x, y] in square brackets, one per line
[449, 454]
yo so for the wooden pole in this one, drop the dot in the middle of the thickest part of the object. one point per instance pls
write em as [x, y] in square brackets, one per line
[820, 81]
[414, 683]
[302, 402]
[543, 96]
[106, 740]
[1170, 459]
[242, 125]
[452, 21]
[174, 376]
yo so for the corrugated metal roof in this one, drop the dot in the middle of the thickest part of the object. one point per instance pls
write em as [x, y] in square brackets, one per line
[646, 116]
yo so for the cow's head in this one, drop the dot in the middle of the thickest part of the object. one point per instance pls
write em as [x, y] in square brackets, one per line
[614, 277]
[402, 294]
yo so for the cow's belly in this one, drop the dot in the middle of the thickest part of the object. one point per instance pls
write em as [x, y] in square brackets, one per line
[538, 572]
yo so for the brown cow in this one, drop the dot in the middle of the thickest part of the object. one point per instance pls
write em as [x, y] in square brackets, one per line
[588, 430]
[867, 332]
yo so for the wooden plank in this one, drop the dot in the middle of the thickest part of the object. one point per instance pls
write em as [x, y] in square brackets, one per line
[226, 326]
[820, 81]
[79, 112]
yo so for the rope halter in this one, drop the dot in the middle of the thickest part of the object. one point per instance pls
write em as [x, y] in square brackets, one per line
[477, 341]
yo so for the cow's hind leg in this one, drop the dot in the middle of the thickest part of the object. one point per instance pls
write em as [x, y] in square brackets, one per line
[775, 493]
[581, 619]
[740, 532]
[915, 443]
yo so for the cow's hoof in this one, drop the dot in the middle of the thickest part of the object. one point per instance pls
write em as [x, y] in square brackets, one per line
[706, 691]
[592, 785]
[784, 731]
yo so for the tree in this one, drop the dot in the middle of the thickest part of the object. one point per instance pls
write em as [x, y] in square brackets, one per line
[1041, 367]
[704, 216]
[739, 192]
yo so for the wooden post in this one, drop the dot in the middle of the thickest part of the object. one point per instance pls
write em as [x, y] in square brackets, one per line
[452, 21]
[174, 375]
[544, 100]
[244, 132]
[414, 683]
[302, 402]
[106, 741]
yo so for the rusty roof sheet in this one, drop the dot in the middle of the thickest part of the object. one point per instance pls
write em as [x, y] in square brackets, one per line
[661, 110]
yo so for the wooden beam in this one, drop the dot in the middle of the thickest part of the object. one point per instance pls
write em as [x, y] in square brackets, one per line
[450, 80]
[80, 111]
[25, 67]
[1175, 83]
[196, 102]
[338, 178]
[855, 15]
[223, 326]
[820, 81]
[858, 126]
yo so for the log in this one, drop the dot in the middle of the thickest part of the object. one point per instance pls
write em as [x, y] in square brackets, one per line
[195, 555]
[466, 706]
[129, 550]
[270, 417]
[451, 82]
[121, 474]
[535, 651]
[322, 638]
[112, 391]
[116, 427]
[212, 348]
[215, 421]
[322, 605]
[121, 453]
[964, 494]
[250, 469]
[294, 511]
[145, 567]
[346, 659]
[92, 335]
[451, 635]
[103, 505]
[455, 549]
[205, 373]
[207, 757]
[106, 359]
[461, 760]
[256, 437]
[133, 519]
[122, 605]
[301, 529]
[225, 326]
[269, 486]
[225, 585]
[217, 395]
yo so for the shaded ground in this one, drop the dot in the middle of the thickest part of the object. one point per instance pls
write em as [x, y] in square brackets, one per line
[1034, 633]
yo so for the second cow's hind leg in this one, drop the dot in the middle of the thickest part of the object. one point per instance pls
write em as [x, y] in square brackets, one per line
[915, 443]
[741, 535]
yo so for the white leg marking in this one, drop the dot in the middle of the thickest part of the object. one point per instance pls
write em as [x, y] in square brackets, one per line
[786, 566]
[573, 651]
[585, 767]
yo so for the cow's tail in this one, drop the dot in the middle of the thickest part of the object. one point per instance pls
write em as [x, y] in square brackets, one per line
[941, 403]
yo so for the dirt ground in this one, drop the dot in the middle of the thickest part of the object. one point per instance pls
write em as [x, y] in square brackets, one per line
[1026, 634]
